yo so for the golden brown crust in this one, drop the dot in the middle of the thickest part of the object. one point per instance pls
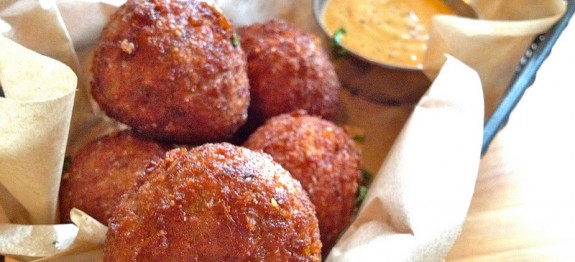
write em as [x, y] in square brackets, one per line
[323, 157]
[215, 202]
[103, 171]
[169, 70]
[287, 72]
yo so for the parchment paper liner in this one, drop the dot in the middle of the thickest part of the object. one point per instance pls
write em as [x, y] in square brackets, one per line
[34, 124]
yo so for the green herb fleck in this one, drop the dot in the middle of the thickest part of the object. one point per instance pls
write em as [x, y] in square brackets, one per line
[362, 192]
[360, 139]
[338, 49]
[235, 40]
[366, 178]
[67, 163]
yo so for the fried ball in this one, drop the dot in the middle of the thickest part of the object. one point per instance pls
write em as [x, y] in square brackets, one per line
[103, 171]
[288, 70]
[169, 70]
[323, 157]
[215, 202]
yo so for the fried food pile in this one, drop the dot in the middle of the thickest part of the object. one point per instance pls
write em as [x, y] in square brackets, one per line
[230, 151]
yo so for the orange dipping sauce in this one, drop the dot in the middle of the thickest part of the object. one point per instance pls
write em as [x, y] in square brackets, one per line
[386, 31]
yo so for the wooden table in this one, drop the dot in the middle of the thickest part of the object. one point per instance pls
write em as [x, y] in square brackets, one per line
[523, 208]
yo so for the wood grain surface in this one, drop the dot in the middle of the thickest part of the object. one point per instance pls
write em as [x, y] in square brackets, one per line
[523, 208]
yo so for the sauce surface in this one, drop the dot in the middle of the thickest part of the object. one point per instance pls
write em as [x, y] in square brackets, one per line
[386, 31]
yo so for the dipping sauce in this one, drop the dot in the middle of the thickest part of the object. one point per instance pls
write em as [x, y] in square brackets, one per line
[386, 31]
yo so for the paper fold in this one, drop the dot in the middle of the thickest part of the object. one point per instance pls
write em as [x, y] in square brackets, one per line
[418, 200]
[492, 45]
[34, 124]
